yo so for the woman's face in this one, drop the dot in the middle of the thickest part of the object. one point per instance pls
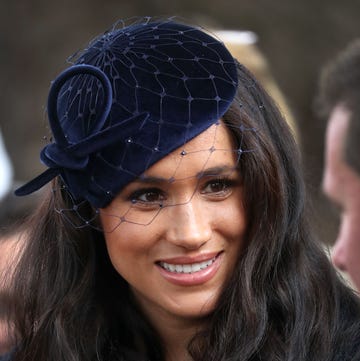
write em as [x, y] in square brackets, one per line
[184, 230]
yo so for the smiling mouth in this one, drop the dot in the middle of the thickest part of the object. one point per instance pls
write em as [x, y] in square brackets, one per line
[187, 268]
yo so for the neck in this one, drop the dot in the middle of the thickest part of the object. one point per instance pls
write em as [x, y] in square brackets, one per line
[176, 339]
[176, 334]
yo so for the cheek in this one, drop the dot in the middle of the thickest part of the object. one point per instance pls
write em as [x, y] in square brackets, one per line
[350, 233]
[127, 245]
[347, 245]
[231, 221]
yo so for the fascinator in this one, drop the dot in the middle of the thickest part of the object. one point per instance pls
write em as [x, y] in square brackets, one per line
[132, 96]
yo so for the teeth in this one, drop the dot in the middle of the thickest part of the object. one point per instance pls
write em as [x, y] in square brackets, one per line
[187, 268]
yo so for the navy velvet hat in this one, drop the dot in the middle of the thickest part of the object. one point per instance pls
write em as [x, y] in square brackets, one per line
[132, 96]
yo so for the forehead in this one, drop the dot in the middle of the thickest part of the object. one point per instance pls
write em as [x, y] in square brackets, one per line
[336, 170]
[212, 147]
[336, 131]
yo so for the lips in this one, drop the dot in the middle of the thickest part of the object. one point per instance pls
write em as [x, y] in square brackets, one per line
[187, 268]
[186, 271]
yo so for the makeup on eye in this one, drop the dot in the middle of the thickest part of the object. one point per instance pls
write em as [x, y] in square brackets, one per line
[218, 187]
[148, 196]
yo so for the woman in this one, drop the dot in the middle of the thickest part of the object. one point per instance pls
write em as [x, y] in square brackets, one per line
[175, 228]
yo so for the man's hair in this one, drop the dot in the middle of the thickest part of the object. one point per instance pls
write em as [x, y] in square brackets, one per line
[340, 83]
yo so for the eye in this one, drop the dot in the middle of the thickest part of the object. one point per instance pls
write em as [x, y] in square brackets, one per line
[148, 196]
[218, 187]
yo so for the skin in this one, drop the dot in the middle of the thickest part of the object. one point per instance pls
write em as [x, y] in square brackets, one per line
[202, 218]
[342, 185]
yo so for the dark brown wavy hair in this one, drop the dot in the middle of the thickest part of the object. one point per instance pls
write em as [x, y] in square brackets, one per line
[283, 302]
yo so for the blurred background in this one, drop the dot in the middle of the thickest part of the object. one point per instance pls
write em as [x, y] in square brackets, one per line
[296, 38]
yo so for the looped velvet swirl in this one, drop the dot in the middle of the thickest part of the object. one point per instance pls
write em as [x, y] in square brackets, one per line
[63, 156]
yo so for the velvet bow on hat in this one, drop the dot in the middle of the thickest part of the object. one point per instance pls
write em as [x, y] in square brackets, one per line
[133, 96]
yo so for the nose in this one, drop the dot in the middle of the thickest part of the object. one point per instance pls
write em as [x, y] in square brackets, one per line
[189, 226]
[339, 255]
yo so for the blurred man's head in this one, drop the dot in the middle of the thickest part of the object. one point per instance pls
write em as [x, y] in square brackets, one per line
[341, 183]
[339, 100]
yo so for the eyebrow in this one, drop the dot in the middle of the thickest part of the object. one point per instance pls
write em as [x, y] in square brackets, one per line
[213, 171]
[216, 171]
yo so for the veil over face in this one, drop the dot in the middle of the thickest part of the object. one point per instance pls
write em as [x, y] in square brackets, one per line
[180, 262]
[134, 95]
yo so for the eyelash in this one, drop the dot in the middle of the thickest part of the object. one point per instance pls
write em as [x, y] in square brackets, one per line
[225, 183]
[135, 196]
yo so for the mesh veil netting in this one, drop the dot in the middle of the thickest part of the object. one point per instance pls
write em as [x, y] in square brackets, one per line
[143, 76]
